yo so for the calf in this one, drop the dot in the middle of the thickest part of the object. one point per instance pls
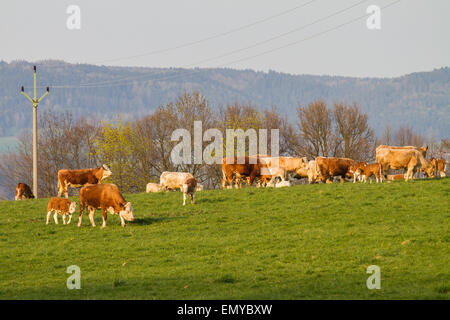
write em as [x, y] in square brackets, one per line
[393, 177]
[353, 169]
[62, 206]
[282, 184]
[106, 197]
[152, 187]
[23, 191]
[189, 187]
[439, 166]
[368, 170]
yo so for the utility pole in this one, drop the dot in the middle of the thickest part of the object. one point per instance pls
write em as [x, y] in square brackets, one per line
[35, 102]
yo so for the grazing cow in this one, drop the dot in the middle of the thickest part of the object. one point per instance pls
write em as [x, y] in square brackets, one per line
[368, 170]
[333, 167]
[439, 165]
[60, 206]
[153, 187]
[23, 191]
[80, 177]
[106, 197]
[393, 177]
[408, 158]
[353, 169]
[233, 170]
[179, 180]
[289, 165]
[309, 171]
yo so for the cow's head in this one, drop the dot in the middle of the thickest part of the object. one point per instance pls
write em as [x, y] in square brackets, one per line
[127, 212]
[106, 172]
[72, 207]
[430, 171]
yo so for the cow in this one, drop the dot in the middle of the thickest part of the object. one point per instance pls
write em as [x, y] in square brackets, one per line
[238, 168]
[179, 180]
[333, 167]
[282, 184]
[106, 197]
[367, 170]
[423, 150]
[289, 165]
[394, 177]
[199, 187]
[153, 187]
[60, 206]
[309, 171]
[355, 167]
[80, 177]
[439, 165]
[408, 158]
[23, 191]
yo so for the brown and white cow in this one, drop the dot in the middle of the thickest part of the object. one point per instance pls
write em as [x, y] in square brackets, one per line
[408, 158]
[367, 170]
[106, 197]
[184, 181]
[60, 206]
[333, 167]
[239, 168]
[152, 187]
[23, 191]
[439, 165]
[80, 177]
[289, 165]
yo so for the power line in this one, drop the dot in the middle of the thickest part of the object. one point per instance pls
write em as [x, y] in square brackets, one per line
[265, 52]
[106, 82]
[191, 43]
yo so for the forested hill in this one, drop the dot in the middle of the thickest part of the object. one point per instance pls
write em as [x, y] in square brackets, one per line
[421, 100]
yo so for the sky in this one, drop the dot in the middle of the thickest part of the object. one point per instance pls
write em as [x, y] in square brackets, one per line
[297, 37]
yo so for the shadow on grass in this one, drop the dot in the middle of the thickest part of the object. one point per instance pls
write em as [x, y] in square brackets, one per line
[151, 220]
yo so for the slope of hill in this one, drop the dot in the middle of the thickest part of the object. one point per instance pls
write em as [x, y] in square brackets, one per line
[421, 99]
[307, 242]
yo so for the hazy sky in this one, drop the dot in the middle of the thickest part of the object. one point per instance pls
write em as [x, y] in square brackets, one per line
[414, 34]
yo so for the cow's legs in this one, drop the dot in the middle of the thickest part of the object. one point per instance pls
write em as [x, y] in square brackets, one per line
[104, 217]
[184, 199]
[81, 214]
[64, 218]
[70, 218]
[55, 217]
[192, 198]
[122, 221]
[91, 216]
[48, 216]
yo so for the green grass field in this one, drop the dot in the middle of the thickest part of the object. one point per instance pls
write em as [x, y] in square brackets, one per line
[302, 242]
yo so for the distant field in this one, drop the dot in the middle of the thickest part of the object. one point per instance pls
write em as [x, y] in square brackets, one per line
[7, 143]
[302, 242]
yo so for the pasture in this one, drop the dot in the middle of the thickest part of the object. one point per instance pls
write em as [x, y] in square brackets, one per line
[301, 242]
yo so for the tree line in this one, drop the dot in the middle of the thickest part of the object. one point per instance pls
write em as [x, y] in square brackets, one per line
[138, 151]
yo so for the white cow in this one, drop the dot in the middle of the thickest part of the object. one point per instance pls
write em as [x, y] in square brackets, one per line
[179, 180]
[152, 187]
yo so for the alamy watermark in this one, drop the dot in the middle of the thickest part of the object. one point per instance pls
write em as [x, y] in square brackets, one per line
[213, 152]
[73, 22]
[74, 281]
[374, 281]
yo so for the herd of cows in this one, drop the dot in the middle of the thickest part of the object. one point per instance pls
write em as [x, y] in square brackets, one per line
[263, 170]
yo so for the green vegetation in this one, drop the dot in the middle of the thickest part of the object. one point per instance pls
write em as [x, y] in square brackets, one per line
[302, 242]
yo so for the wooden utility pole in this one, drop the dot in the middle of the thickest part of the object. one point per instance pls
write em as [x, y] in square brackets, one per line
[35, 102]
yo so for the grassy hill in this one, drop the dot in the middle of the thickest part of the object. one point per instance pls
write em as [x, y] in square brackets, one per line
[302, 242]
